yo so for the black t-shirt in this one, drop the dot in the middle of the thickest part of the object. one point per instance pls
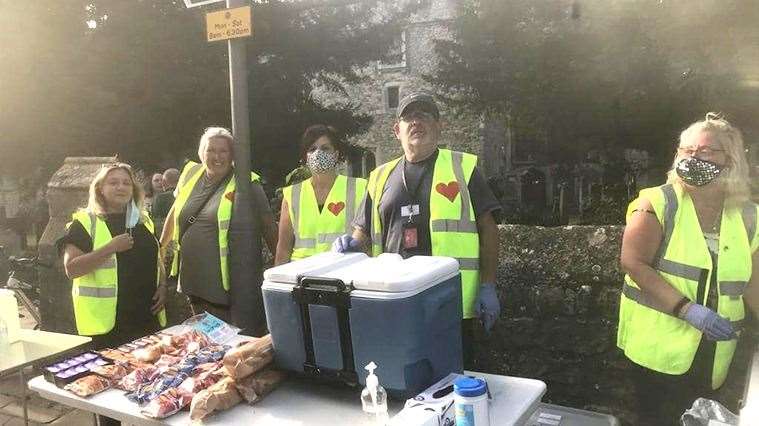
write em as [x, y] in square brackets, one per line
[417, 191]
[136, 270]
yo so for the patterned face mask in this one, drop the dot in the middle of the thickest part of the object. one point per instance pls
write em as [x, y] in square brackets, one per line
[321, 161]
[697, 172]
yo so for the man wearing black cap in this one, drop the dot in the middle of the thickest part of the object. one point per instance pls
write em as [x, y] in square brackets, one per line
[433, 201]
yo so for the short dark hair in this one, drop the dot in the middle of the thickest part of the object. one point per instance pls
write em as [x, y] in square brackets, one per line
[313, 133]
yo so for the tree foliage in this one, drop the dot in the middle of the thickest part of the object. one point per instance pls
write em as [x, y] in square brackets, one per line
[137, 78]
[600, 74]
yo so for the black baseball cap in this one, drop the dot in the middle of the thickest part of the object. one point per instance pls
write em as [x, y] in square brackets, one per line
[418, 97]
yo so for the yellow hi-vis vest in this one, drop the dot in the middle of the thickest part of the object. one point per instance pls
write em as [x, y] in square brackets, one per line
[314, 230]
[656, 339]
[190, 174]
[94, 295]
[453, 227]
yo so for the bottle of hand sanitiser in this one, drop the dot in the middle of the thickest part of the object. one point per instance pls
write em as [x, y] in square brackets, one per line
[374, 398]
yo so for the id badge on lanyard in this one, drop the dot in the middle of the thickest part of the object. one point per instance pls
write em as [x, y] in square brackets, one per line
[410, 229]
[410, 211]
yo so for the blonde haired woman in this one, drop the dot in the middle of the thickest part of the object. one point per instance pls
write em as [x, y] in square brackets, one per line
[690, 253]
[111, 253]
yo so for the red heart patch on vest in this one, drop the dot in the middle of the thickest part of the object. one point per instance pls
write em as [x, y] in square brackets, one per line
[336, 208]
[449, 191]
[230, 196]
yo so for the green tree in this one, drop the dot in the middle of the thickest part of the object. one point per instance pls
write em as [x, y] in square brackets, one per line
[138, 79]
[598, 74]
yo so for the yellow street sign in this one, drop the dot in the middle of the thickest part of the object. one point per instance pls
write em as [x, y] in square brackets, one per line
[229, 23]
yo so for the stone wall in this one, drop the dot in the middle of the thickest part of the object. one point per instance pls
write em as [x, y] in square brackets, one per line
[560, 291]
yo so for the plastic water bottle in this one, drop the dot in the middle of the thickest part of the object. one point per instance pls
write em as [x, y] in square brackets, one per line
[374, 398]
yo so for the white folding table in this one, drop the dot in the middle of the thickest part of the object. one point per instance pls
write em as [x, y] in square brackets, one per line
[37, 347]
[299, 402]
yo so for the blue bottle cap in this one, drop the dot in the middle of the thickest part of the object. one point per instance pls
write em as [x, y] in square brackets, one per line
[470, 386]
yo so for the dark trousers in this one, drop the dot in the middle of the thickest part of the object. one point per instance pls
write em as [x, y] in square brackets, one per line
[469, 328]
[662, 398]
[198, 306]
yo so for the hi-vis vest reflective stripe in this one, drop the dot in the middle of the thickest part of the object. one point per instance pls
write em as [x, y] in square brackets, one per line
[314, 230]
[95, 294]
[453, 228]
[190, 174]
[657, 340]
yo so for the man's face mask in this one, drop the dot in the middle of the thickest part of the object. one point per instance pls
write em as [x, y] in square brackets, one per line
[697, 172]
[321, 161]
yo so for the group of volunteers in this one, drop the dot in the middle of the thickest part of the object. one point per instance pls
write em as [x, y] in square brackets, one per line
[689, 248]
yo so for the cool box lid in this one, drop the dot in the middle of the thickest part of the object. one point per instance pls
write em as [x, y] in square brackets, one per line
[390, 273]
[371, 276]
[315, 266]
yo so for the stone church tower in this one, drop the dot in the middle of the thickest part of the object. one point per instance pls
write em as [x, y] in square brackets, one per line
[412, 56]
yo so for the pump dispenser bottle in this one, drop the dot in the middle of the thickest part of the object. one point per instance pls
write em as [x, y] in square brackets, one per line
[374, 398]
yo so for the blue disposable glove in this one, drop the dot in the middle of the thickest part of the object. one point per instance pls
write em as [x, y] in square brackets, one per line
[488, 307]
[709, 322]
[345, 244]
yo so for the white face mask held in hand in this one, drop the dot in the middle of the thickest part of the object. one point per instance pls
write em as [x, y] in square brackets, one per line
[319, 161]
[132, 215]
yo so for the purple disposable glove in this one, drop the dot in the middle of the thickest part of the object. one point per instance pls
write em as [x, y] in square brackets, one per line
[488, 307]
[345, 244]
[709, 322]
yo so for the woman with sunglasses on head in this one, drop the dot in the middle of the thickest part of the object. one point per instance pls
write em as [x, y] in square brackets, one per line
[690, 254]
[111, 253]
[318, 210]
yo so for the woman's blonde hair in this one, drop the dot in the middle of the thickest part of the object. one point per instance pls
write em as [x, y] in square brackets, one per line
[96, 202]
[214, 132]
[735, 178]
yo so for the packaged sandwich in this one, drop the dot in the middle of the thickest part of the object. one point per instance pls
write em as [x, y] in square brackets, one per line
[220, 396]
[148, 353]
[167, 403]
[166, 361]
[249, 357]
[152, 390]
[113, 372]
[207, 366]
[88, 385]
[138, 377]
[197, 383]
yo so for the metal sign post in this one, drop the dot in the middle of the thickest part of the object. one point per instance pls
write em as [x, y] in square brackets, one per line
[244, 258]
[244, 232]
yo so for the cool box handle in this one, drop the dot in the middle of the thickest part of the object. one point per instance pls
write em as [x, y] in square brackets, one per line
[326, 292]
